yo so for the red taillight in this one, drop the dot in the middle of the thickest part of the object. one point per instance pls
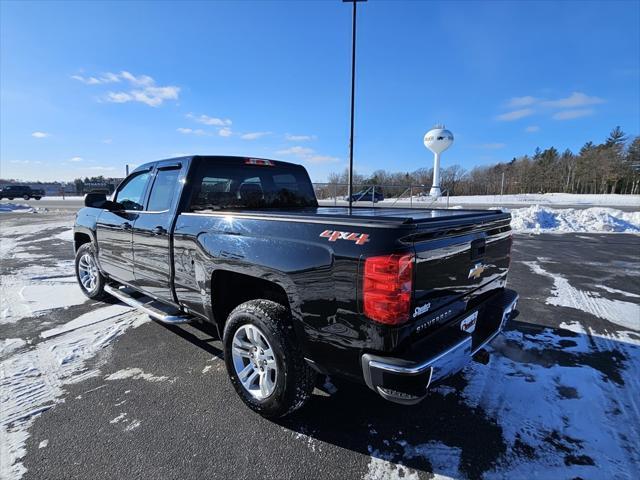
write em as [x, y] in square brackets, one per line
[259, 161]
[387, 288]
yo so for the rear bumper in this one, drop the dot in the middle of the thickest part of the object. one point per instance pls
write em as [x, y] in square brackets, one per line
[406, 381]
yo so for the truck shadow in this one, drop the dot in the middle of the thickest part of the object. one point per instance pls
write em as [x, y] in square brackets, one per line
[200, 334]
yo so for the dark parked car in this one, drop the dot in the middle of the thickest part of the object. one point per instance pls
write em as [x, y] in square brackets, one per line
[367, 195]
[21, 191]
[396, 299]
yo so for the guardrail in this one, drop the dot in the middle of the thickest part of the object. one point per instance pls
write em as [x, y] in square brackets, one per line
[389, 195]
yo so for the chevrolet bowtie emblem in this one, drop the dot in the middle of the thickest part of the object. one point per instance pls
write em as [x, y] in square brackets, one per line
[477, 270]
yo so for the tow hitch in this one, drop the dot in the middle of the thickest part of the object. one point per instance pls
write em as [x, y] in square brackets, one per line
[482, 356]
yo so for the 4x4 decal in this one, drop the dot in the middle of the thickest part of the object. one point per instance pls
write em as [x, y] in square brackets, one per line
[334, 235]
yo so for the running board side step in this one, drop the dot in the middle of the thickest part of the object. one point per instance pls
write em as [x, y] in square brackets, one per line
[153, 308]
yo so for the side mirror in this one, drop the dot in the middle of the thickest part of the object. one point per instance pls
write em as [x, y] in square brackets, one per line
[95, 200]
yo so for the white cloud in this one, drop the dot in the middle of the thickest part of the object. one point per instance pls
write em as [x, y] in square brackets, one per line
[298, 151]
[207, 120]
[571, 114]
[75, 159]
[140, 81]
[40, 134]
[119, 97]
[104, 78]
[299, 138]
[191, 131]
[576, 99]
[254, 135]
[87, 80]
[492, 146]
[107, 140]
[25, 162]
[515, 114]
[225, 132]
[144, 88]
[533, 105]
[152, 96]
[532, 128]
[307, 155]
[525, 101]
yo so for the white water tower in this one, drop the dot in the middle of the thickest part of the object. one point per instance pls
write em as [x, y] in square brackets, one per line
[438, 139]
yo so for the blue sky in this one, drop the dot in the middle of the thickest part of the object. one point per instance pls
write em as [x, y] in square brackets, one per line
[89, 86]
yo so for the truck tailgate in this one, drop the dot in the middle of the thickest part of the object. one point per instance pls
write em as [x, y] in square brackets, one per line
[457, 265]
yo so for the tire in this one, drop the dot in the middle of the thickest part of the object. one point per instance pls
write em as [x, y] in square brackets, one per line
[26, 197]
[37, 198]
[294, 379]
[10, 198]
[86, 259]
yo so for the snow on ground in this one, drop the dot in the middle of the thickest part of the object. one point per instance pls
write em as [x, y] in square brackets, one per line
[624, 314]
[537, 219]
[33, 378]
[16, 208]
[33, 371]
[14, 239]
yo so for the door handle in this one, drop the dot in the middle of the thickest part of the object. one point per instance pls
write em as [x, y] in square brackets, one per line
[159, 230]
[125, 226]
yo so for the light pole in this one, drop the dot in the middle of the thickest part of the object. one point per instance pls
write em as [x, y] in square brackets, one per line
[353, 93]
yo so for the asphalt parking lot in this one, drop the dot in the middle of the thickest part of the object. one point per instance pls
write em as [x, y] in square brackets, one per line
[559, 398]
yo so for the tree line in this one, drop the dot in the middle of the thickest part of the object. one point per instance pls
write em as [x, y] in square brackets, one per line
[612, 166]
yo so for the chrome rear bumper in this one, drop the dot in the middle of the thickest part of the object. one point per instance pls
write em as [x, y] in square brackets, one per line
[406, 382]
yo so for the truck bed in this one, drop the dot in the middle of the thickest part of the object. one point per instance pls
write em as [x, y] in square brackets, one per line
[369, 215]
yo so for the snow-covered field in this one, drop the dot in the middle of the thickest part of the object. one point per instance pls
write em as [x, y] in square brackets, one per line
[557, 199]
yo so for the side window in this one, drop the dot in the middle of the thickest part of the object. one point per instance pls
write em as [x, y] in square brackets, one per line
[163, 190]
[130, 196]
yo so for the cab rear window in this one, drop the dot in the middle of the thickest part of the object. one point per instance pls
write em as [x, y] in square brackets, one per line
[222, 186]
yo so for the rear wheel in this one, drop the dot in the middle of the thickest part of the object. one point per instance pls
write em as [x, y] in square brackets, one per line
[10, 198]
[90, 279]
[37, 198]
[263, 361]
[26, 197]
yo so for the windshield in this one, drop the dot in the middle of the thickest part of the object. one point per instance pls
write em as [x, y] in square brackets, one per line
[220, 186]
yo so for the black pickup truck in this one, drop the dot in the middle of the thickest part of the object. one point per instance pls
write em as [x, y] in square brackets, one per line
[21, 191]
[394, 298]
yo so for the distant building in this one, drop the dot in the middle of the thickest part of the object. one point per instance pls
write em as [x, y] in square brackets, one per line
[51, 189]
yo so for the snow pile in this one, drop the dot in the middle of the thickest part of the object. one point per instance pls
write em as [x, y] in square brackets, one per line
[539, 219]
[610, 200]
[16, 208]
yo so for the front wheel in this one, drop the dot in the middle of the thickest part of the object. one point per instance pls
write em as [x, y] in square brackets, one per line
[263, 361]
[90, 279]
[37, 198]
[26, 197]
